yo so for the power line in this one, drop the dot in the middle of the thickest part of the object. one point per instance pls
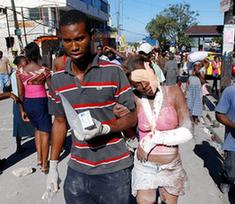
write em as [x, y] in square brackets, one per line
[135, 19]
[133, 32]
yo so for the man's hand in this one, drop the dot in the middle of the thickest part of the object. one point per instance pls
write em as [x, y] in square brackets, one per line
[24, 116]
[120, 110]
[141, 154]
[15, 98]
[53, 176]
[107, 48]
[98, 130]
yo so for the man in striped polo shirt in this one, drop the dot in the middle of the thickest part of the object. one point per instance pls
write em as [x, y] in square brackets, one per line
[99, 166]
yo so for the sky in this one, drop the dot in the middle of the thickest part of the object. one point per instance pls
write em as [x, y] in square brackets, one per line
[135, 14]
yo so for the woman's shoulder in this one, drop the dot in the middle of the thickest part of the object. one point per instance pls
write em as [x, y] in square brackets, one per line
[172, 91]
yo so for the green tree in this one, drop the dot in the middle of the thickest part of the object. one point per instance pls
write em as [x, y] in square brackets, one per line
[218, 40]
[171, 24]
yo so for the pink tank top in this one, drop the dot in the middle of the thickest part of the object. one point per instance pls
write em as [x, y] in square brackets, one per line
[167, 120]
[31, 90]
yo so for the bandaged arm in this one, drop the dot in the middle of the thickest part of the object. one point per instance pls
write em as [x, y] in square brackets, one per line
[170, 137]
[175, 136]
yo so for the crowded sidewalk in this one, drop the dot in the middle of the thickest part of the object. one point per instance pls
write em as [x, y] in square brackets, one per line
[199, 156]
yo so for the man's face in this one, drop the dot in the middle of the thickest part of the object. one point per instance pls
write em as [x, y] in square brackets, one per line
[76, 41]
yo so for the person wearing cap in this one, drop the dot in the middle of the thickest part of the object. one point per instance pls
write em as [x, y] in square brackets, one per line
[145, 50]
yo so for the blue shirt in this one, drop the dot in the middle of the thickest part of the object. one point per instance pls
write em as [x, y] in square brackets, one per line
[226, 106]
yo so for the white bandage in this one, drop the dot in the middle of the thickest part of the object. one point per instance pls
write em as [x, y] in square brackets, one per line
[170, 137]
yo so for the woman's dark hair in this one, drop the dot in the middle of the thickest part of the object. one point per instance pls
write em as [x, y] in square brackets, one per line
[32, 52]
[132, 63]
[18, 59]
[74, 16]
[216, 57]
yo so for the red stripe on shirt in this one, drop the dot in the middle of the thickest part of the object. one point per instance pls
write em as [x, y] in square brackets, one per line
[108, 64]
[96, 145]
[107, 122]
[101, 162]
[59, 71]
[105, 83]
[122, 90]
[53, 98]
[65, 88]
[90, 105]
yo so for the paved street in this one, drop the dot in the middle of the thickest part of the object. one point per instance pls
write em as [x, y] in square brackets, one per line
[200, 159]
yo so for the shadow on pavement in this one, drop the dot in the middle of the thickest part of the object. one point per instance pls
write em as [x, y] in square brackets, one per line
[212, 160]
[231, 194]
[29, 147]
[208, 103]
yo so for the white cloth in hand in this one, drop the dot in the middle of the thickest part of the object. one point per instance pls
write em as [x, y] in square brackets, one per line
[53, 176]
[98, 130]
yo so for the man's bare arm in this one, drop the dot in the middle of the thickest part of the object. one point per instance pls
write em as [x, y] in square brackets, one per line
[125, 122]
[59, 131]
[224, 120]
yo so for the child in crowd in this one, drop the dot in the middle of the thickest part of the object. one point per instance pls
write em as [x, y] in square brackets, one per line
[194, 93]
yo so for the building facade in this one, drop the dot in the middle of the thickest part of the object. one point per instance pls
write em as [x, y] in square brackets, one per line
[38, 19]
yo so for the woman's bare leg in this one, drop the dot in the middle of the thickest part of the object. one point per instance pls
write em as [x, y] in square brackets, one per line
[146, 196]
[45, 149]
[38, 147]
[167, 198]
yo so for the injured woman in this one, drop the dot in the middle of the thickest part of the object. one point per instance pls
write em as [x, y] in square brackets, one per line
[163, 124]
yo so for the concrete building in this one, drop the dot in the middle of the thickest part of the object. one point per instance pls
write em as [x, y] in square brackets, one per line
[228, 8]
[38, 19]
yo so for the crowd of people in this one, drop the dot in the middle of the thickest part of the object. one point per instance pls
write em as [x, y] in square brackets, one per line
[105, 99]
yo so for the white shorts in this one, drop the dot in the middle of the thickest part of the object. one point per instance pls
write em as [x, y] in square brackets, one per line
[149, 175]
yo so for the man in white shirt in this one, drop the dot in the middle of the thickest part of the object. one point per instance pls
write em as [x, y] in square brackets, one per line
[145, 50]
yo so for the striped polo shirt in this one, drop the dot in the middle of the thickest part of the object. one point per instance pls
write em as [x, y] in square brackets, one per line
[104, 85]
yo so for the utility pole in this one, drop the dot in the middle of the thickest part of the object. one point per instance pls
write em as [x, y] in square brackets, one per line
[118, 20]
[25, 34]
[8, 28]
[17, 30]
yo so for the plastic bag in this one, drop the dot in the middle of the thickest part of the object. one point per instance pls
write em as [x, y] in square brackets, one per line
[72, 118]
[23, 171]
[197, 56]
